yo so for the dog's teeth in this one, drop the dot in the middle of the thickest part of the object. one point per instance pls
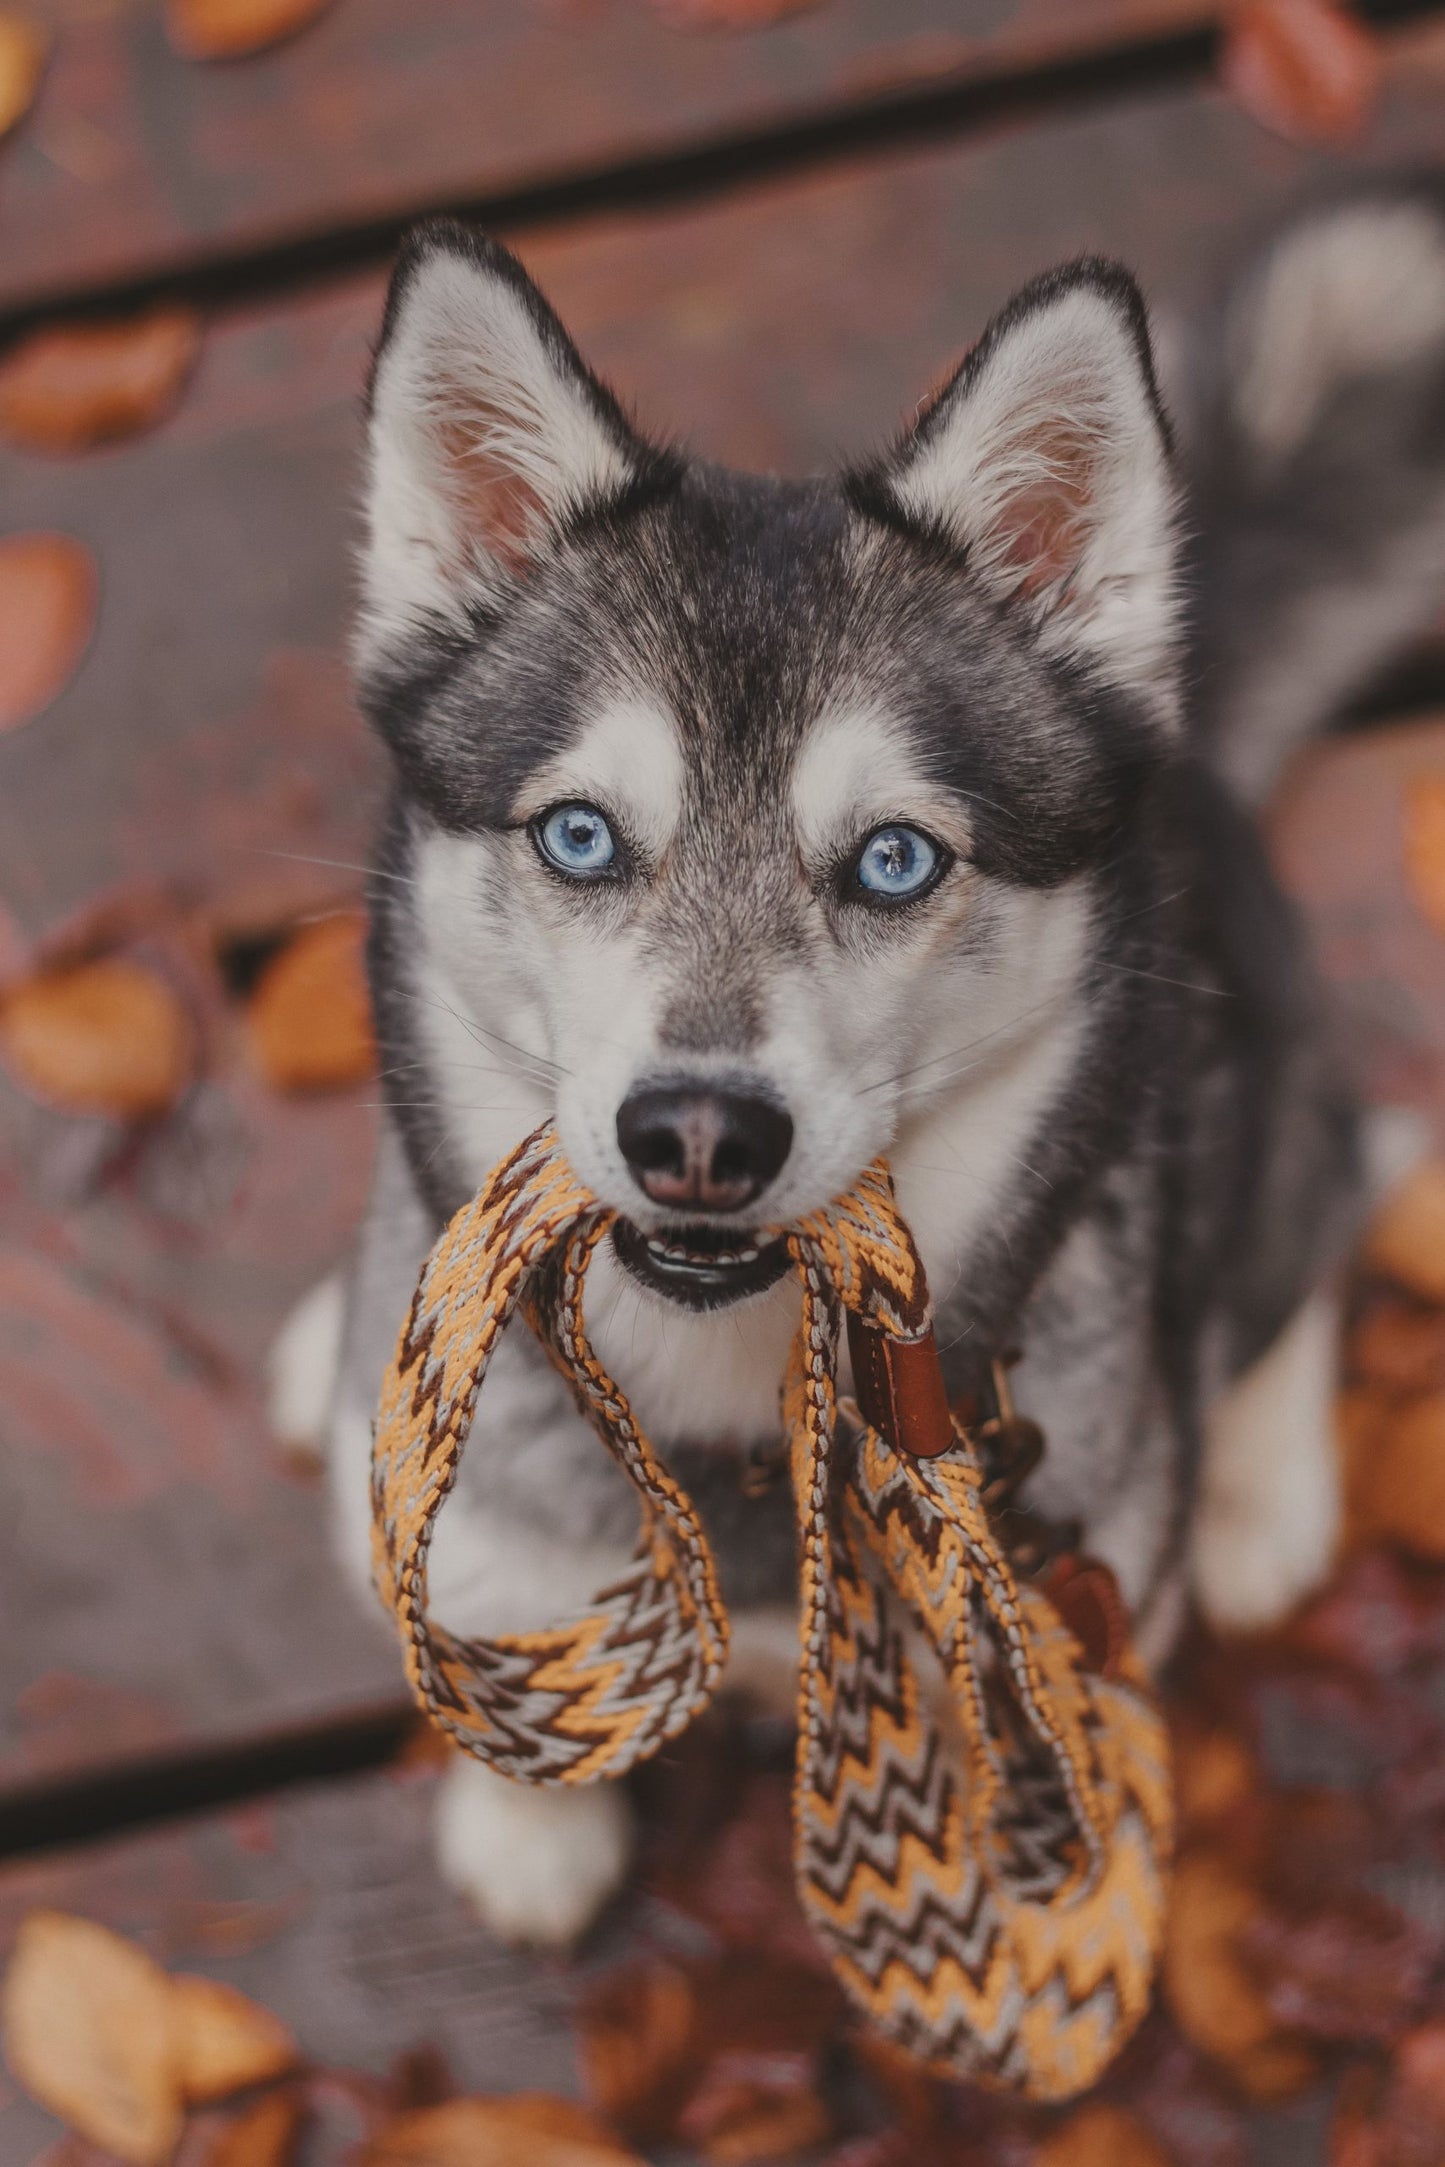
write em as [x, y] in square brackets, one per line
[726, 1256]
[747, 1256]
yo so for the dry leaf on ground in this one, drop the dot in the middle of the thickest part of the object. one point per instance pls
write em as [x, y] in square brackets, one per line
[226, 2041]
[263, 2134]
[1397, 1347]
[73, 385]
[309, 1015]
[229, 29]
[101, 1038]
[47, 608]
[1307, 69]
[1394, 2116]
[1101, 2136]
[23, 50]
[1215, 1998]
[1214, 1773]
[88, 2026]
[1406, 1243]
[1399, 1496]
[1424, 815]
[503, 2132]
[639, 2037]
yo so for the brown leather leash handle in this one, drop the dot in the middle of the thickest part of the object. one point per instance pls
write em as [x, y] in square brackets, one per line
[898, 1384]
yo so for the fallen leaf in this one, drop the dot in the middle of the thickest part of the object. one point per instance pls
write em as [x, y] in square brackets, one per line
[1398, 1347]
[1424, 816]
[1308, 70]
[47, 608]
[1406, 1243]
[23, 50]
[226, 2041]
[502, 2132]
[1350, 1972]
[1214, 1997]
[263, 2134]
[1214, 1772]
[310, 1015]
[755, 2106]
[229, 29]
[1400, 1495]
[102, 1038]
[1394, 2116]
[638, 2045]
[89, 2030]
[73, 385]
[1101, 2136]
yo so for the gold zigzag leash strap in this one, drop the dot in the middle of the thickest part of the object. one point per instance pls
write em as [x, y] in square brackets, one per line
[981, 1825]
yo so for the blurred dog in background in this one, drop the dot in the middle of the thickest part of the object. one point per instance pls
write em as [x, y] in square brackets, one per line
[752, 828]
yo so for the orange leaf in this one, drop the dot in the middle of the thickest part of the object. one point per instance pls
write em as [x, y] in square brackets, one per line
[263, 2134]
[1424, 811]
[89, 2031]
[310, 1016]
[1306, 69]
[1215, 1999]
[226, 2040]
[229, 29]
[23, 49]
[74, 385]
[99, 1038]
[1401, 1496]
[530, 2126]
[1101, 2136]
[639, 2048]
[1407, 1241]
[47, 605]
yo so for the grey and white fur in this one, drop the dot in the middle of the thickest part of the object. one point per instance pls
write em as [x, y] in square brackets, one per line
[1065, 661]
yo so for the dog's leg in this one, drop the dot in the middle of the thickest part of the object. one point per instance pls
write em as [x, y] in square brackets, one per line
[1269, 1506]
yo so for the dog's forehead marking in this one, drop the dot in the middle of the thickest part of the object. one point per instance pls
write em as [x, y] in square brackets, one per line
[854, 764]
[628, 757]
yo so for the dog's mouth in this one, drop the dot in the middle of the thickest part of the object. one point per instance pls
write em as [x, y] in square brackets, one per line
[701, 1267]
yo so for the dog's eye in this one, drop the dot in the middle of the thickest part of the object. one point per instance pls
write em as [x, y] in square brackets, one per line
[576, 839]
[896, 864]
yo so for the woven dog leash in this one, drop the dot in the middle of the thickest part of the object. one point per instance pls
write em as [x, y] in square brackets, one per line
[981, 1823]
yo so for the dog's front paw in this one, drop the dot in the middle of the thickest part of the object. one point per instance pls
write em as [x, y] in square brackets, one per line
[538, 1864]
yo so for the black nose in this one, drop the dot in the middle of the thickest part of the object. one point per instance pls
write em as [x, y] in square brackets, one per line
[699, 1149]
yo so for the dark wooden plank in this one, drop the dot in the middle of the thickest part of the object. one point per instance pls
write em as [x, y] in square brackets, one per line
[136, 158]
[326, 1907]
[209, 725]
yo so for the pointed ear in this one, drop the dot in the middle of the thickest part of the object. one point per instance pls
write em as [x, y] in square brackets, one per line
[1046, 461]
[487, 432]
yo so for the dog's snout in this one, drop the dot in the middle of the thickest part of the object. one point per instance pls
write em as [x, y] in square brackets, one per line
[702, 1150]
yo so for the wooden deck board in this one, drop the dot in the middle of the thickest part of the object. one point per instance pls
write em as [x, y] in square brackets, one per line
[182, 1591]
[326, 1906]
[136, 159]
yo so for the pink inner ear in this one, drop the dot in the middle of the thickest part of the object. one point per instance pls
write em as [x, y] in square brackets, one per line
[496, 506]
[1041, 529]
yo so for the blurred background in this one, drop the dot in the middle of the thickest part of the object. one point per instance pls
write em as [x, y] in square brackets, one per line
[771, 224]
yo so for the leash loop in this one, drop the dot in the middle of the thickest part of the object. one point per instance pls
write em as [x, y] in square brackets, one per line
[981, 1823]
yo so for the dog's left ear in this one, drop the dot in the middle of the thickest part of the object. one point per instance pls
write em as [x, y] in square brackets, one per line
[1046, 461]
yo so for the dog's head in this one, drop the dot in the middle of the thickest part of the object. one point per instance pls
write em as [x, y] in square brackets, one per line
[754, 825]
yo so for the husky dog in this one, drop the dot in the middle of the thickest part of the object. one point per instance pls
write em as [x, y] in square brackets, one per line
[751, 828]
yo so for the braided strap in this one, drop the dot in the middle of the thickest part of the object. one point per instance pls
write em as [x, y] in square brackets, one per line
[981, 1826]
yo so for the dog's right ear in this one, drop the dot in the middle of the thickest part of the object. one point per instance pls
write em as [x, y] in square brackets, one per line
[487, 433]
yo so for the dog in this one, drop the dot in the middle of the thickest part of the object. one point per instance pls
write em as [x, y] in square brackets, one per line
[750, 828]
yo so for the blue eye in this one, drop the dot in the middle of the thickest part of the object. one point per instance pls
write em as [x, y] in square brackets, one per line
[576, 839]
[896, 864]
